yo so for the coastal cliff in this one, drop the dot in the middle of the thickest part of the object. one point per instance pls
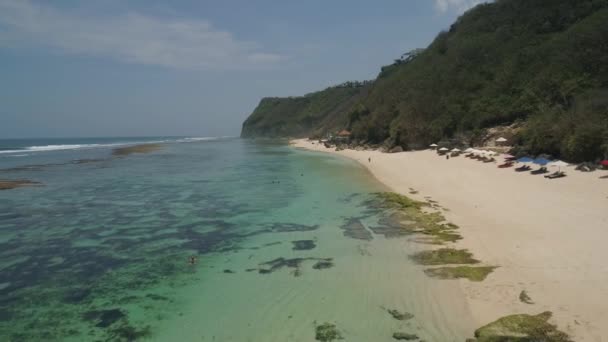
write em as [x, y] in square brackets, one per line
[540, 64]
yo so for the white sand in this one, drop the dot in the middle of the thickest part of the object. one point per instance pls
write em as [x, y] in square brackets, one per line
[549, 237]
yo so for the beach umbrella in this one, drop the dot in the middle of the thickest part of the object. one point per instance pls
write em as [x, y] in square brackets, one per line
[433, 145]
[501, 140]
[559, 164]
[541, 161]
[525, 160]
[456, 150]
[469, 150]
[508, 156]
[491, 153]
[444, 149]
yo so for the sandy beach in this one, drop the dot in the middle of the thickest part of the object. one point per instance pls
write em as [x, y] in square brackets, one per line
[548, 237]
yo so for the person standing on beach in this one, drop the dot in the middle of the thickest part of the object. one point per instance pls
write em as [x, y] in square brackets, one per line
[369, 159]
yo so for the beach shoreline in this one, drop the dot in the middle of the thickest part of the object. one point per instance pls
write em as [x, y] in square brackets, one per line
[546, 236]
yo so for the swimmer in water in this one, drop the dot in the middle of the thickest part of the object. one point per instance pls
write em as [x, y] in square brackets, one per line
[192, 260]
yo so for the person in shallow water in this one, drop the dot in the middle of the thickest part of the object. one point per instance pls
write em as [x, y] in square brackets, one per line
[192, 260]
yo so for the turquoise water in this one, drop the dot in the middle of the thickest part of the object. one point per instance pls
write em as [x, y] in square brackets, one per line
[100, 250]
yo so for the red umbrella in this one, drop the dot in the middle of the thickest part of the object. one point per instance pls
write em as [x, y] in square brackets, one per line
[604, 162]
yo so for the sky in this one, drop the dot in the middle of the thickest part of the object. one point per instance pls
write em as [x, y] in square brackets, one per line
[87, 68]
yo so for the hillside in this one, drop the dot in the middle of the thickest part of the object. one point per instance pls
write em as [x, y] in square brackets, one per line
[307, 115]
[543, 63]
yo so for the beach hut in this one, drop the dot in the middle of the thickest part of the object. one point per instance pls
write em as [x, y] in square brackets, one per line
[343, 136]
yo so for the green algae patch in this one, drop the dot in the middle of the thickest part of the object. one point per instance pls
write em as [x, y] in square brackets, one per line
[444, 256]
[415, 219]
[327, 332]
[398, 201]
[13, 184]
[141, 148]
[478, 273]
[521, 328]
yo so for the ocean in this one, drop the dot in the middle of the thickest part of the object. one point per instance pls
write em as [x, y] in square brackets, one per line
[282, 239]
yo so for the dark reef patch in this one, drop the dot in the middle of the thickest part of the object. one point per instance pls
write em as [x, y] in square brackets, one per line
[292, 227]
[104, 318]
[74, 296]
[353, 228]
[303, 245]
[294, 263]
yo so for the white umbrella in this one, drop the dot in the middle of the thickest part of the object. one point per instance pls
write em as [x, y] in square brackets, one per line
[469, 150]
[433, 145]
[501, 140]
[491, 153]
[559, 164]
[456, 150]
[443, 149]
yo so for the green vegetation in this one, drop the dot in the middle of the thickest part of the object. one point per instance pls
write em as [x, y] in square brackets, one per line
[327, 332]
[306, 115]
[521, 328]
[478, 273]
[444, 256]
[543, 64]
[430, 224]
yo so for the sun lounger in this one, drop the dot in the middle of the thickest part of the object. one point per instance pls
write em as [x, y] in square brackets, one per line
[523, 168]
[539, 171]
[554, 175]
[505, 165]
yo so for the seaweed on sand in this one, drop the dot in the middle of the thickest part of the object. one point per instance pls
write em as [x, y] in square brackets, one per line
[398, 315]
[524, 298]
[444, 256]
[521, 328]
[404, 336]
[410, 216]
[327, 332]
[478, 273]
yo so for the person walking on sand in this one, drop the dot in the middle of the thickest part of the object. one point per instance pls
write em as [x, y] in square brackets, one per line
[369, 159]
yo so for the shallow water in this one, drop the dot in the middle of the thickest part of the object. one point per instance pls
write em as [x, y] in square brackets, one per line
[100, 251]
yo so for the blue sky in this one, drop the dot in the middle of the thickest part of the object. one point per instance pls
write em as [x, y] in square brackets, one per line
[143, 67]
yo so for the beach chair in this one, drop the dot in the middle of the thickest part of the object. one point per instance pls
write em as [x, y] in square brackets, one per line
[557, 174]
[523, 168]
[540, 171]
[505, 165]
